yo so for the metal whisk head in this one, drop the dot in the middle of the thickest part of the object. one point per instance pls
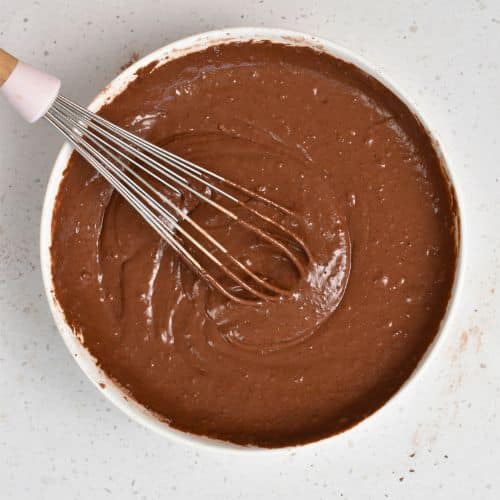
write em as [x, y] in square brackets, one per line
[140, 172]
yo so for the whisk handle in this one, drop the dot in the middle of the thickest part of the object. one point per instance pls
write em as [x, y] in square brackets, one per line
[30, 91]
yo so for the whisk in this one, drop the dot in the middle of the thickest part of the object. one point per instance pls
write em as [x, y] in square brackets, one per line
[141, 172]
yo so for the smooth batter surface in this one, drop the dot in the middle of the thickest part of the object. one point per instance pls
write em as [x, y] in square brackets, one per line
[374, 207]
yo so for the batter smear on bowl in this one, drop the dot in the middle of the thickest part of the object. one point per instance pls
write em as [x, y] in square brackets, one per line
[318, 136]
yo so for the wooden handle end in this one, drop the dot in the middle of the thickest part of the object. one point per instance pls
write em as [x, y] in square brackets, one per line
[7, 65]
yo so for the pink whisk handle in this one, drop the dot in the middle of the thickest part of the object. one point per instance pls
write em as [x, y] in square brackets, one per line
[30, 92]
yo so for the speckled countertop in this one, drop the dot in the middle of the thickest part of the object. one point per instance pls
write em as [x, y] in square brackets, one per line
[59, 439]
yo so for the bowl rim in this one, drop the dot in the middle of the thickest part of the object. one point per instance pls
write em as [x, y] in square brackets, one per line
[88, 364]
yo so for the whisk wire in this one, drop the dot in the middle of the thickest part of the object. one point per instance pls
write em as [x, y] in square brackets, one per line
[117, 153]
[143, 194]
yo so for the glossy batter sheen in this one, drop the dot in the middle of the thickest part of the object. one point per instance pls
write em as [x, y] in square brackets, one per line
[323, 139]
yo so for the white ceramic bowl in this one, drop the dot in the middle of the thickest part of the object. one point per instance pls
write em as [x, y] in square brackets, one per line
[174, 50]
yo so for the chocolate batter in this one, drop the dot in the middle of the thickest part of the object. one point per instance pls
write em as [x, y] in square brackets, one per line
[374, 206]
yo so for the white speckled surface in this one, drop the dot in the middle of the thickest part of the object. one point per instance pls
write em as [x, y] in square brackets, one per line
[59, 439]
